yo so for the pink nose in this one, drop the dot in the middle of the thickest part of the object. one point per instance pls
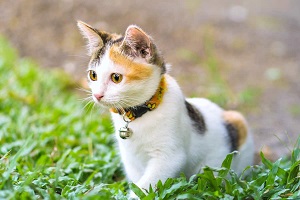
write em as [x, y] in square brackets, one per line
[98, 96]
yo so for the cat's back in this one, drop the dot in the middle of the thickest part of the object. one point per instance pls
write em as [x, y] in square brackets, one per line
[213, 131]
[225, 131]
[205, 106]
[228, 122]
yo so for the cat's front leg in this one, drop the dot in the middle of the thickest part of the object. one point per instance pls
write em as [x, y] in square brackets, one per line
[162, 168]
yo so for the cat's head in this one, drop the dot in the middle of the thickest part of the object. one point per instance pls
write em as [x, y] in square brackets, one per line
[124, 71]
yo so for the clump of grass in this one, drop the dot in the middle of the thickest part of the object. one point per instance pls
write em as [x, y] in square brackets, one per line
[51, 149]
[278, 180]
[49, 146]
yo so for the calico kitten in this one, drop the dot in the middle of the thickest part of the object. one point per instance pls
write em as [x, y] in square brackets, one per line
[160, 133]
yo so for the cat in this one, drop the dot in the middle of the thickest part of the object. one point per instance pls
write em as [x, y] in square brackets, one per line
[159, 132]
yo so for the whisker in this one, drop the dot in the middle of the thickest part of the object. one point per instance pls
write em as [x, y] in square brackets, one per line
[87, 105]
[84, 90]
[92, 109]
[89, 98]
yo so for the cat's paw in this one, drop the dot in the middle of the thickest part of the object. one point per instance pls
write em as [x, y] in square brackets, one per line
[133, 196]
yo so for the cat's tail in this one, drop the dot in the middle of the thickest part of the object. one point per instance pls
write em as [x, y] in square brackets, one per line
[241, 139]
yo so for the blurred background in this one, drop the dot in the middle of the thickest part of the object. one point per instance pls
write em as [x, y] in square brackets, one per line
[241, 54]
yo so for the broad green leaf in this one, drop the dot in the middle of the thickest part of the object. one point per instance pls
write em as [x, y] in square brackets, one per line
[228, 160]
[265, 161]
[137, 190]
[294, 171]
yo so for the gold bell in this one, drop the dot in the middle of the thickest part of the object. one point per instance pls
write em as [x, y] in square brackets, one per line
[125, 132]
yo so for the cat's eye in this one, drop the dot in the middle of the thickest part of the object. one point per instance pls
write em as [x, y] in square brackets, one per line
[116, 78]
[93, 75]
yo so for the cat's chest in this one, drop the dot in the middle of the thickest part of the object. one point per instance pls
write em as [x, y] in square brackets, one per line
[146, 127]
[143, 130]
[141, 145]
[152, 134]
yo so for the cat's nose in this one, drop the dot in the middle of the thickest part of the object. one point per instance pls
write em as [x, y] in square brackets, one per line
[98, 96]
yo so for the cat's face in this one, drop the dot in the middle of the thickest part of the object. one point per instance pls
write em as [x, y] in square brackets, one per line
[123, 71]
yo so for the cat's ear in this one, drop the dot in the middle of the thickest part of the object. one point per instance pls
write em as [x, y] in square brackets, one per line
[92, 35]
[138, 42]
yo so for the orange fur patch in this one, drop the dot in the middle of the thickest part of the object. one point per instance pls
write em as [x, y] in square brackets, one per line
[135, 71]
[237, 120]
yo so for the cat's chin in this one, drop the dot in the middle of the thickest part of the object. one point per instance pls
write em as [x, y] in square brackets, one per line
[103, 104]
[107, 105]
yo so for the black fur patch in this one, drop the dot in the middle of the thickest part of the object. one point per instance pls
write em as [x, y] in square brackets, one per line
[233, 136]
[117, 40]
[157, 59]
[196, 117]
[98, 54]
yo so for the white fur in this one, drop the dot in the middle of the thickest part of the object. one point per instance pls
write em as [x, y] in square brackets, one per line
[164, 141]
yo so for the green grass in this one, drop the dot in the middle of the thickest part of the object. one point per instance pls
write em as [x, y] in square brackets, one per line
[51, 148]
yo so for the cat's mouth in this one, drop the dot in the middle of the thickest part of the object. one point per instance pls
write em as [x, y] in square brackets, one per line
[104, 103]
[118, 105]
